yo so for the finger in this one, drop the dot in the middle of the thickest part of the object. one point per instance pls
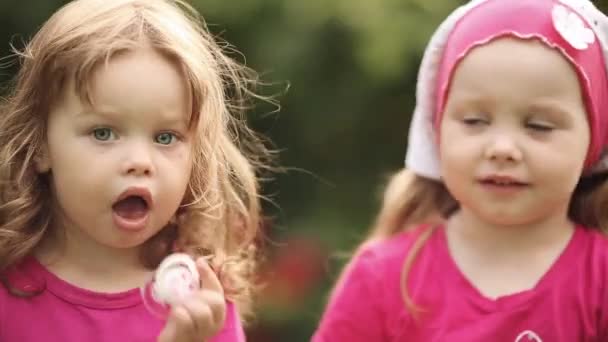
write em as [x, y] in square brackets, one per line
[209, 280]
[168, 333]
[202, 317]
[179, 326]
[208, 310]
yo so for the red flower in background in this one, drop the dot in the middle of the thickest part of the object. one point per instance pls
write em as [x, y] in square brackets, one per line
[294, 272]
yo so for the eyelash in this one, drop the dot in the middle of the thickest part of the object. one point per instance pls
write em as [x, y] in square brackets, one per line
[96, 130]
[175, 136]
[473, 121]
[540, 127]
[533, 126]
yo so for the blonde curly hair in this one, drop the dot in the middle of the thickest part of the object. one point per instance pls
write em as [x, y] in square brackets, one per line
[220, 214]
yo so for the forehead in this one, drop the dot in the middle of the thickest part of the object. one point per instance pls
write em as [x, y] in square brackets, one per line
[144, 71]
[516, 64]
[138, 82]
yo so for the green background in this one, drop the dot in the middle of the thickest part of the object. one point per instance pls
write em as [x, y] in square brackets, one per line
[344, 72]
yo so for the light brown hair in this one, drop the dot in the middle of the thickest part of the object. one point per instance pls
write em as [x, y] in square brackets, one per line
[411, 201]
[220, 214]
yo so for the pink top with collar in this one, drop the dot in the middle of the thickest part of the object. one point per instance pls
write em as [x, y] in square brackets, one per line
[570, 303]
[65, 313]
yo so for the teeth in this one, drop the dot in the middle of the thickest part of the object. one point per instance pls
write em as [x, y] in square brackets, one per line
[500, 182]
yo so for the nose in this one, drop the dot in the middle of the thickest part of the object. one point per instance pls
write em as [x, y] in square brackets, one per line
[137, 159]
[503, 148]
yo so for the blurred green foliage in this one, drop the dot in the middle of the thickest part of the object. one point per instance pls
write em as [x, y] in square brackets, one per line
[345, 73]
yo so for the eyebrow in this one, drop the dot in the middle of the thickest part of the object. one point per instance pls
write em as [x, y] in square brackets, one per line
[113, 115]
[91, 112]
[549, 108]
[467, 100]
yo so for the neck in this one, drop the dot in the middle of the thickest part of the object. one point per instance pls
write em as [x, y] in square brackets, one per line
[496, 237]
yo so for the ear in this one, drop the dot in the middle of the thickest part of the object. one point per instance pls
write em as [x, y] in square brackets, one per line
[41, 160]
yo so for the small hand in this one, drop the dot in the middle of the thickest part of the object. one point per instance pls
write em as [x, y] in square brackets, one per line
[202, 314]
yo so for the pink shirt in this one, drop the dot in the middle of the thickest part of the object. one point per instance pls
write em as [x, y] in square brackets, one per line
[569, 304]
[65, 313]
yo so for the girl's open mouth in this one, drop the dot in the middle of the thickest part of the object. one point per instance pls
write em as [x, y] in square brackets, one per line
[132, 209]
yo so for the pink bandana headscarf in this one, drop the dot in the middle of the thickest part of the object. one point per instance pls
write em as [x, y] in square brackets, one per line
[553, 22]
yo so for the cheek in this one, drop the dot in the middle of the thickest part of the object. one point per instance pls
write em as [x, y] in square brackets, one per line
[457, 172]
[457, 150]
[64, 145]
[457, 185]
[564, 169]
[180, 164]
[569, 152]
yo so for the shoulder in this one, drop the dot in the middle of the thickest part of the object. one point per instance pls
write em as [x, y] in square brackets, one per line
[24, 277]
[391, 248]
[593, 250]
[4, 297]
[366, 302]
[593, 244]
[19, 283]
[594, 235]
[586, 268]
[390, 253]
[590, 274]
[376, 267]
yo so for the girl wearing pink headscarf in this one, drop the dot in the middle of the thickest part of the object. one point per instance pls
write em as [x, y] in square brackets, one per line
[496, 229]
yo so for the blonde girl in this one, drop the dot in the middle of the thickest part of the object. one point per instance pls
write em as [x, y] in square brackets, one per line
[121, 142]
[495, 232]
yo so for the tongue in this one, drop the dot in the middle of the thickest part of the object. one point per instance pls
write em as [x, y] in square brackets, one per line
[131, 208]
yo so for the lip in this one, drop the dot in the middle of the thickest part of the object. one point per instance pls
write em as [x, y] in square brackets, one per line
[138, 191]
[503, 185]
[503, 180]
[130, 225]
[133, 224]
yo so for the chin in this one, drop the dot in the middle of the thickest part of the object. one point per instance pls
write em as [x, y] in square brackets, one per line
[126, 244]
[508, 221]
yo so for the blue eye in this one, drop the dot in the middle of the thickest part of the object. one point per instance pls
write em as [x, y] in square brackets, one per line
[165, 138]
[103, 134]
